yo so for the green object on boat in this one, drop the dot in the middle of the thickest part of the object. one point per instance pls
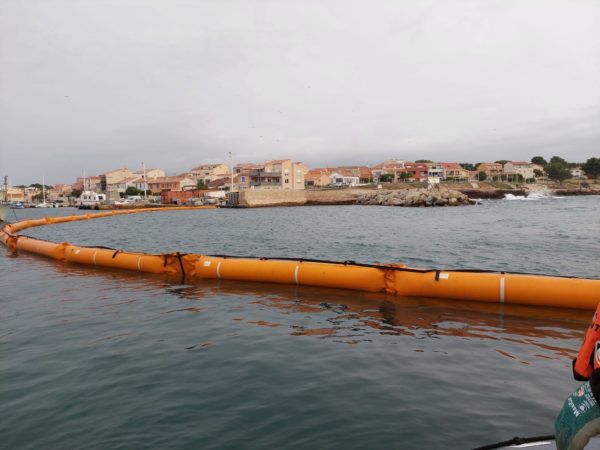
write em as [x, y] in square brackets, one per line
[578, 420]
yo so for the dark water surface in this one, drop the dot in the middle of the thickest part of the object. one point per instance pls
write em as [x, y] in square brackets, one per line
[99, 359]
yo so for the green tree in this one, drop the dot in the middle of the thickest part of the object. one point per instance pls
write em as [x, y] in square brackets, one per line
[39, 186]
[502, 161]
[538, 173]
[386, 178]
[482, 176]
[423, 161]
[558, 160]
[539, 160]
[468, 166]
[132, 190]
[558, 171]
[76, 193]
[404, 176]
[592, 168]
[201, 185]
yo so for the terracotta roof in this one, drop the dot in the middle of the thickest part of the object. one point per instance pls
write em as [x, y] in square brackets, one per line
[313, 175]
[520, 163]
[115, 170]
[452, 166]
[365, 172]
[208, 166]
[277, 161]
[347, 172]
[489, 165]
[168, 179]
[248, 166]
[412, 165]
[219, 182]
[359, 171]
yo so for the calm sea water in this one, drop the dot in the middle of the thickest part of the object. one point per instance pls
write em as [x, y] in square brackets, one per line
[99, 359]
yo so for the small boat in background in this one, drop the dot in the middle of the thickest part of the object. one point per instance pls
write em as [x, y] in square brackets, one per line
[44, 204]
[90, 200]
[17, 205]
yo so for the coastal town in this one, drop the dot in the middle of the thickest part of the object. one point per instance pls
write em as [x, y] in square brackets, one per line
[286, 181]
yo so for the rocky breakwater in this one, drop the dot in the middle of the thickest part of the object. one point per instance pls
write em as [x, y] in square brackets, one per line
[415, 197]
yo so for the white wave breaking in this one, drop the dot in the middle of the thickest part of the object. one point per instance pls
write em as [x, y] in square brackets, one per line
[531, 197]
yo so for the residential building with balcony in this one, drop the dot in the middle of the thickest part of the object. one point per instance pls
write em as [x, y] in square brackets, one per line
[388, 167]
[491, 169]
[455, 172]
[15, 194]
[173, 183]
[110, 180]
[91, 184]
[435, 170]
[277, 174]
[418, 172]
[522, 168]
[209, 172]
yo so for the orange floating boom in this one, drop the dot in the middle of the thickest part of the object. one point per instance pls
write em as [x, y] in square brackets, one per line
[495, 287]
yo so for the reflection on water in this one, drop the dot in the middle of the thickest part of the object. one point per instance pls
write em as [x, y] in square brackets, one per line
[95, 358]
[352, 317]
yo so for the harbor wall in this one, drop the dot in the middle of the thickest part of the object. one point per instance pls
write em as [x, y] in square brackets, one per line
[265, 197]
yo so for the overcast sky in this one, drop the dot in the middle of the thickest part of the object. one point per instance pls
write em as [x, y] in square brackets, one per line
[98, 85]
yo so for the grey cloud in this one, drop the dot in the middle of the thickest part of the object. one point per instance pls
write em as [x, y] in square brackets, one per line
[99, 85]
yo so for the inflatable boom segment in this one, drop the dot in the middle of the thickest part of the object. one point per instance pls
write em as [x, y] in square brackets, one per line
[395, 279]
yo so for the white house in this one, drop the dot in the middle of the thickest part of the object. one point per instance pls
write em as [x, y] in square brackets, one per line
[344, 179]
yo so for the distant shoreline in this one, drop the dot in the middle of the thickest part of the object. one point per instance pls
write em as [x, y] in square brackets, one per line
[355, 195]
[351, 196]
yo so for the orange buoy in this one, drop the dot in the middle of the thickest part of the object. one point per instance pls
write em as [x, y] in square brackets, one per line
[485, 286]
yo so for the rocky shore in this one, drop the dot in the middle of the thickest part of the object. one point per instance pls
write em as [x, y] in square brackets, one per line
[570, 192]
[402, 195]
[415, 198]
[492, 194]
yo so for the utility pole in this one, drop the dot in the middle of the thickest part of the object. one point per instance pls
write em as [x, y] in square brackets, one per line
[231, 169]
[145, 182]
